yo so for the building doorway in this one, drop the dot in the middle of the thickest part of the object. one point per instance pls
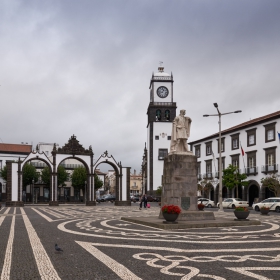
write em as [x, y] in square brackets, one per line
[253, 194]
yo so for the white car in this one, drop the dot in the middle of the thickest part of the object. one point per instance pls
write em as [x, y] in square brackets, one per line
[207, 202]
[273, 203]
[234, 202]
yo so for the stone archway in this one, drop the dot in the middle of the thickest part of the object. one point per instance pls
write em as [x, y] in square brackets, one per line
[23, 192]
[74, 150]
[122, 174]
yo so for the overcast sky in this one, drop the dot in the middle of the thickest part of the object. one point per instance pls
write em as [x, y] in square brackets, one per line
[84, 67]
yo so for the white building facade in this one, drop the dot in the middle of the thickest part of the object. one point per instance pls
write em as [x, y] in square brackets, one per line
[161, 112]
[253, 146]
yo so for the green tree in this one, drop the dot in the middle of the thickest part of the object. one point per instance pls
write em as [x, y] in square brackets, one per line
[62, 175]
[97, 182]
[159, 190]
[45, 175]
[3, 172]
[78, 177]
[29, 173]
[232, 178]
[272, 182]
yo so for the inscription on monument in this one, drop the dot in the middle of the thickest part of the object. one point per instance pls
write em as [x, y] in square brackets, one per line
[185, 203]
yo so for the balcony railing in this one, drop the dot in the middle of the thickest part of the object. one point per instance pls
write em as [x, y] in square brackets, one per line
[251, 170]
[269, 168]
[217, 174]
[199, 176]
[207, 175]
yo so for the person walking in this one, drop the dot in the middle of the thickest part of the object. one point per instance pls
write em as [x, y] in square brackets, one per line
[143, 201]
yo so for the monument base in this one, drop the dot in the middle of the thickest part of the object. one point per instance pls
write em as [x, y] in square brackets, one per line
[193, 216]
[179, 181]
[90, 203]
[14, 204]
[53, 203]
[123, 203]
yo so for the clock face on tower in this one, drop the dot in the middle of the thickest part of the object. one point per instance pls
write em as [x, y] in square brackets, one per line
[162, 92]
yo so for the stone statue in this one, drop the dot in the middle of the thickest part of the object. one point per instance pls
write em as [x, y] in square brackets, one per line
[180, 133]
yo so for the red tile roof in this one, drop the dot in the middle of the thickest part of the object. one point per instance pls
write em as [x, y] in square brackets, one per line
[253, 122]
[15, 148]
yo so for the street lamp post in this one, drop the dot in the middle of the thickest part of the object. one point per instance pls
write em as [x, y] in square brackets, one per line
[220, 152]
[33, 190]
[85, 192]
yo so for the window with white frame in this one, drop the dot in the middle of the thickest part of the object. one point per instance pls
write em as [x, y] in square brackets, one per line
[251, 137]
[270, 135]
[235, 141]
[251, 162]
[270, 159]
[208, 168]
[222, 145]
[270, 132]
[235, 160]
[208, 148]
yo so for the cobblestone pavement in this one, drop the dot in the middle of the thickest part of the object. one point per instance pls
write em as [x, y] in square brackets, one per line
[97, 244]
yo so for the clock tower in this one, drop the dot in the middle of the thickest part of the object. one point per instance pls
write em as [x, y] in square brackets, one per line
[161, 112]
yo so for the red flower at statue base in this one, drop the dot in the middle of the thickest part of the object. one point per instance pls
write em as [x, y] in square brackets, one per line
[171, 209]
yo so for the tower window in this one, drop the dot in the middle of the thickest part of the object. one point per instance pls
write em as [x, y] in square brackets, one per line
[156, 137]
[158, 115]
[168, 137]
[167, 115]
[162, 153]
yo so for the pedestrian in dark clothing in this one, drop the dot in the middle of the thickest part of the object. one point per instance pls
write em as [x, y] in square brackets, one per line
[144, 201]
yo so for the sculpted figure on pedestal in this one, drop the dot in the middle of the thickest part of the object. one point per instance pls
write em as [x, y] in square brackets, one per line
[180, 133]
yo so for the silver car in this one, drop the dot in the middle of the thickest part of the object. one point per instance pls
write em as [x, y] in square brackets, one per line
[273, 203]
[207, 202]
[234, 202]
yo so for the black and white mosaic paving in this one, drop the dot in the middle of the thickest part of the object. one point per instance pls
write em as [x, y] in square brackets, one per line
[97, 244]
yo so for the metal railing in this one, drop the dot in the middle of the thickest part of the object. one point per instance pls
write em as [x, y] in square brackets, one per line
[251, 170]
[269, 168]
[207, 175]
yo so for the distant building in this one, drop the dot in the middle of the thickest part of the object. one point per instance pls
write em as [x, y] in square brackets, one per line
[12, 152]
[135, 183]
[259, 140]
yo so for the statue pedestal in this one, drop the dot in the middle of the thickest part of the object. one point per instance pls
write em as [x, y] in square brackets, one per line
[179, 186]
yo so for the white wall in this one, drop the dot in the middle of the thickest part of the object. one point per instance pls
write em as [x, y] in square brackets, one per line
[14, 181]
[163, 128]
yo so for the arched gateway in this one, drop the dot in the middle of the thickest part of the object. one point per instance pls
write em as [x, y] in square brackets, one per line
[72, 150]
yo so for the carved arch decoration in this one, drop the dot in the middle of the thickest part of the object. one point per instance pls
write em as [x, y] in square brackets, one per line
[74, 150]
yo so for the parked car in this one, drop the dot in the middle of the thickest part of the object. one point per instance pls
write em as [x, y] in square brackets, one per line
[152, 198]
[234, 202]
[137, 197]
[133, 198]
[100, 198]
[109, 197]
[273, 203]
[207, 202]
